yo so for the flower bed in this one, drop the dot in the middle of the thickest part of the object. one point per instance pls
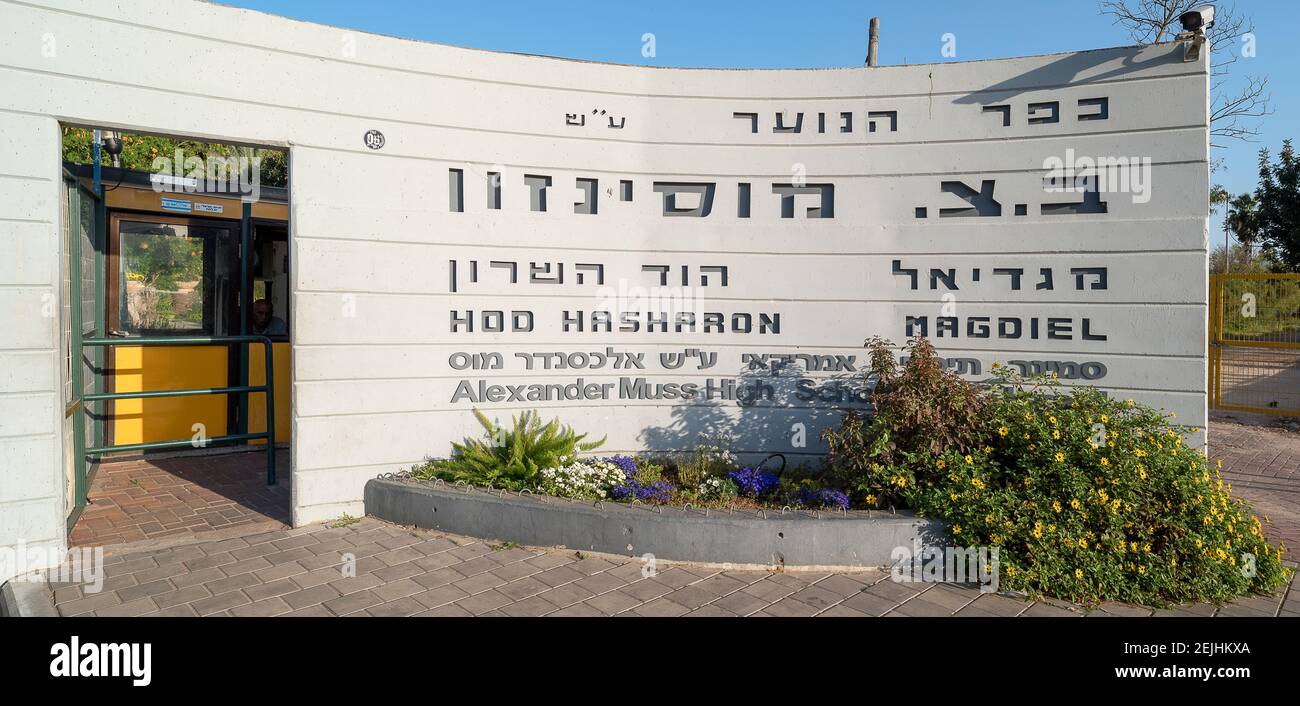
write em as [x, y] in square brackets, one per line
[544, 458]
[1086, 498]
[657, 480]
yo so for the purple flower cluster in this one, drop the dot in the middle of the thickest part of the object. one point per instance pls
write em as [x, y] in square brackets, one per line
[754, 482]
[660, 491]
[626, 463]
[826, 498]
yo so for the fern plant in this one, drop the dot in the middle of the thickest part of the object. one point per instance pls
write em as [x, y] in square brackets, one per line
[511, 457]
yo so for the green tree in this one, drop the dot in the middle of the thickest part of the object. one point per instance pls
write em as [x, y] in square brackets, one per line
[1239, 261]
[1219, 196]
[140, 151]
[1277, 218]
[1243, 222]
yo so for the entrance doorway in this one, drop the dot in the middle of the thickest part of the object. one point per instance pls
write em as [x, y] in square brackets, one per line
[182, 337]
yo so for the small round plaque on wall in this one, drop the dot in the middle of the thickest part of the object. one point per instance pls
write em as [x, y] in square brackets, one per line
[374, 139]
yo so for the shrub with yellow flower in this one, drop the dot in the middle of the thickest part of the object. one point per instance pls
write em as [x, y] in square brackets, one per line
[1028, 451]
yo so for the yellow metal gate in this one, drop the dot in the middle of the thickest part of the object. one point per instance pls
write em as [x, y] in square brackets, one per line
[1255, 343]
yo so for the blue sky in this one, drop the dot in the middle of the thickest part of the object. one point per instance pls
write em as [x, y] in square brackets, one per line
[770, 34]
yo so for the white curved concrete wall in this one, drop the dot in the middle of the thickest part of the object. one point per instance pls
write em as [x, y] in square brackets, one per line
[375, 235]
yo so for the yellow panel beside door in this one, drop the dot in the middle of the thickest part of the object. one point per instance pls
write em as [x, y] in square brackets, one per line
[152, 368]
[280, 353]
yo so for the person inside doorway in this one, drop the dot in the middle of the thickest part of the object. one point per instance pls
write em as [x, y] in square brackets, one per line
[265, 323]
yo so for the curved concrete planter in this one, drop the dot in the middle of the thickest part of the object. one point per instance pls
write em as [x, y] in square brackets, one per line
[795, 539]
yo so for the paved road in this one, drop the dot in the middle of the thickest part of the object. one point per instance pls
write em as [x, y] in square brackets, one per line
[405, 572]
[212, 542]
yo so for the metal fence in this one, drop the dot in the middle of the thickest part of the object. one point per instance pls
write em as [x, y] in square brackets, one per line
[1255, 343]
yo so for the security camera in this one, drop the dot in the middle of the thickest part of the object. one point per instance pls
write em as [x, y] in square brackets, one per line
[1195, 21]
[1198, 19]
[112, 142]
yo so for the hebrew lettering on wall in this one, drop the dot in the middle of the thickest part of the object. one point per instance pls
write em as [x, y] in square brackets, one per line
[1033, 313]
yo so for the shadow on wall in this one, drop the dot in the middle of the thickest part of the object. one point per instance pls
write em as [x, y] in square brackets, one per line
[1064, 71]
[772, 411]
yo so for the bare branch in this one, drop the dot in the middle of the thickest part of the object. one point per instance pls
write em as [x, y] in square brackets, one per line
[1154, 21]
[1227, 112]
[1147, 21]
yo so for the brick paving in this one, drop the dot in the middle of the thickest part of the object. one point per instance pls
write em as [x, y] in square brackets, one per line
[1263, 465]
[216, 542]
[373, 568]
[134, 500]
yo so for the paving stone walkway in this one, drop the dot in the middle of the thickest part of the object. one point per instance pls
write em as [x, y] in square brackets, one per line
[399, 571]
[204, 535]
[1263, 465]
[140, 499]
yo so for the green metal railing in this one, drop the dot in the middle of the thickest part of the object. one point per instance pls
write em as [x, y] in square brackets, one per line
[242, 390]
[84, 334]
[74, 407]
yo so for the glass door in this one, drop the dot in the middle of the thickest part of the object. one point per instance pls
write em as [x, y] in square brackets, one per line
[172, 277]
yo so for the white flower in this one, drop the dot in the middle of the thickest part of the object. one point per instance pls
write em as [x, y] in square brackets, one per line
[585, 478]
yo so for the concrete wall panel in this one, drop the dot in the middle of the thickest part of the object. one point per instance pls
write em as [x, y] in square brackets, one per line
[377, 230]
